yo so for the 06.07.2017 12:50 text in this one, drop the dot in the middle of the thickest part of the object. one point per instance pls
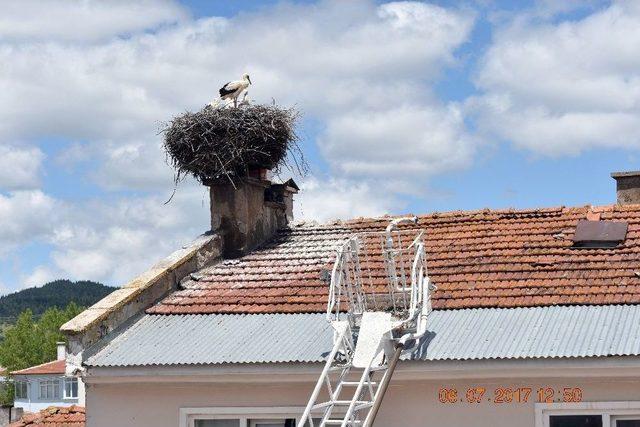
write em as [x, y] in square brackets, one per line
[506, 395]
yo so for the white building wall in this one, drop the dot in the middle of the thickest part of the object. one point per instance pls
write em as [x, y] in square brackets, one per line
[407, 404]
[33, 403]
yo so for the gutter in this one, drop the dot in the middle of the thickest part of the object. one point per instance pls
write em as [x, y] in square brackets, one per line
[627, 367]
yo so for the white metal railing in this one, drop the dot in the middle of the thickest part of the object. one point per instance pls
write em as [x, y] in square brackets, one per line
[383, 271]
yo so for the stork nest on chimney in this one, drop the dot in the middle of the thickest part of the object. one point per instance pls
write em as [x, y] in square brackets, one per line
[226, 143]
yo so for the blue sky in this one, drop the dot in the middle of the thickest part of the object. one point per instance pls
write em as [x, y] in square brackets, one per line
[407, 107]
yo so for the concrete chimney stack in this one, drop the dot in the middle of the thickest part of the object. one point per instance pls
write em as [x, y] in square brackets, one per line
[249, 213]
[627, 187]
[62, 350]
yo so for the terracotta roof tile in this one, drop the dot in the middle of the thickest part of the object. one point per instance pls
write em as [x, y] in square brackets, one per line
[53, 416]
[485, 258]
[55, 367]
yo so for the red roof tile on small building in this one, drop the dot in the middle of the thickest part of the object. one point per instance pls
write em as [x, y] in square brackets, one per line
[485, 258]
[55, 367]
[53, 416]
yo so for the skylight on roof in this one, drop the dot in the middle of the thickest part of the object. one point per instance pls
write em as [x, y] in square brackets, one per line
[599, 234]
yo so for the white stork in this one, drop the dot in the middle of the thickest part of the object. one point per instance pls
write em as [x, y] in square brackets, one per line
[245, 100]
[232, 90]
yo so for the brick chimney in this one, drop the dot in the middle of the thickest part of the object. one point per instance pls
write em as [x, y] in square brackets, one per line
[627, 187]
[250, 213]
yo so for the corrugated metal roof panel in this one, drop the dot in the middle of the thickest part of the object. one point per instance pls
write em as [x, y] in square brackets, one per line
[534, 332]
[517, 333]
[217, 338]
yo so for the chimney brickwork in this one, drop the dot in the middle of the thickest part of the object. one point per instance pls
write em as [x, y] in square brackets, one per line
[627, 187]
[250, 213]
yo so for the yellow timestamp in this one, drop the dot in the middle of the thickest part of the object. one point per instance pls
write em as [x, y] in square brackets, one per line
[506, 395]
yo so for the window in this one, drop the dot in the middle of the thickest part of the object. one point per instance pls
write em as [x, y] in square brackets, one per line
[241, 422]
[287, 422]
[21, 389]
[70, 388]
[592, 421]
[575, 421]
[242, 417]
[588, 414]
[217, 423]
[49, 389]
[628, 421]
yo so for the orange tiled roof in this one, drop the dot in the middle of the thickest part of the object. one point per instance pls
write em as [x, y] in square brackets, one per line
[53, 416]
[55, 367]
[487, 258]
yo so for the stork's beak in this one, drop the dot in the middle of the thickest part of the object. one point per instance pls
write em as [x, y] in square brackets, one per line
[249, 78]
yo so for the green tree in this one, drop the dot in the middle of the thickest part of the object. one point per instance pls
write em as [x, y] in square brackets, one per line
[30, 342]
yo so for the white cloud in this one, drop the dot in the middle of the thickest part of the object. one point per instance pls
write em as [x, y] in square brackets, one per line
[327, 199]
[401, 143]
[25, 216]
[110, 241]
[83, 21]
[116, 241]
[41, 275]
[563, 88]
[20, 167]
[134, 165]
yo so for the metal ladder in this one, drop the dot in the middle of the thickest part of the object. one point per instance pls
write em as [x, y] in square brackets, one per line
[351, 391]
[352, 384]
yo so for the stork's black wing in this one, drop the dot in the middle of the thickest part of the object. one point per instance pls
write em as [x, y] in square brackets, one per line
[224, 90]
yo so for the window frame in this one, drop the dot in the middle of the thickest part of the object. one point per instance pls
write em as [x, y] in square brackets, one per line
[21, 383]
[615, 418]
[69, 380]
[54, 383]
[608, 410]
[251, 422]
[188, 416]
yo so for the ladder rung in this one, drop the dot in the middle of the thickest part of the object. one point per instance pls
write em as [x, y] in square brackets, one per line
[364, 405]
[338, 403]
[321, 405]
[348, 402]
[356, 383]
[339, 422]
[378, 368]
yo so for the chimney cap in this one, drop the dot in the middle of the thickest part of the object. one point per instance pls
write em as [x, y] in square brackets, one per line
[289, 184]
[627, 187]
[624, 174]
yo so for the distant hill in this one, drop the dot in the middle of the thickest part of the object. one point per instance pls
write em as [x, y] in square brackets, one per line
[58, 293]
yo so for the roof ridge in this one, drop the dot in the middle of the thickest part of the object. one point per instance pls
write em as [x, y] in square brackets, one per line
[38, 366]
[312, 224]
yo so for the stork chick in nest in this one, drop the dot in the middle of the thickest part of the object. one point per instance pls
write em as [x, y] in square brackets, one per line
[232, 90]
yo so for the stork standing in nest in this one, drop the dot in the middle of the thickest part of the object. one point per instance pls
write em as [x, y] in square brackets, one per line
[232, 90]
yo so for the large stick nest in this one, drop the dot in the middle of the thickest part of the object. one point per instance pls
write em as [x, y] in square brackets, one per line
[226, 143]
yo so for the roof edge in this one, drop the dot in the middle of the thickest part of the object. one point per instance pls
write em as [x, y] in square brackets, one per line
[25, 371]
[568, 367]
